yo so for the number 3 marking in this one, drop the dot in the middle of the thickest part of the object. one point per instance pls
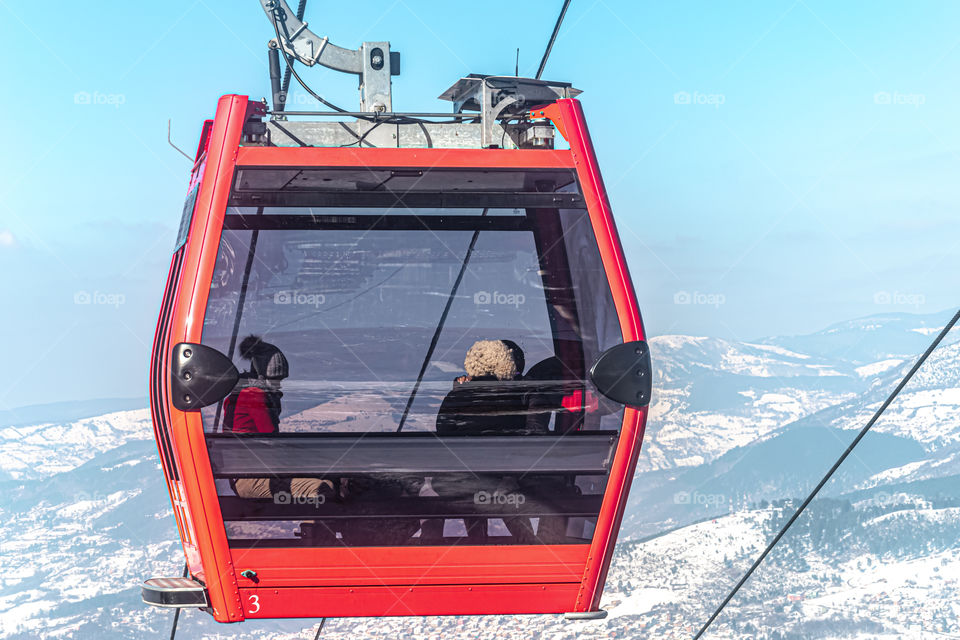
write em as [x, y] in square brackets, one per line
[254, 604]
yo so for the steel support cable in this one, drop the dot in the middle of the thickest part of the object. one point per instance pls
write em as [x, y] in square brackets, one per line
[301, 9]
[829, 474]
[176, 614]
[323, 621]
[440, 323]
[553, 38]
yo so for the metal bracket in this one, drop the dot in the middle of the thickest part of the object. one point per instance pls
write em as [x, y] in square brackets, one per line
[623, 373]
[200, 376]
[498, 96]
[373, 62]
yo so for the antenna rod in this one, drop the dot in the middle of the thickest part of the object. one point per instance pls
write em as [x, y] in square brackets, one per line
[553, 38]
[170, 142]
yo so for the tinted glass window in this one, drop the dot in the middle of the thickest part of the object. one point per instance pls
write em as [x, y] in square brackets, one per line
[412, 376]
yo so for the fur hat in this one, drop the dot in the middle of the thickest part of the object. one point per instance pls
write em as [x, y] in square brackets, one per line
[491, 358]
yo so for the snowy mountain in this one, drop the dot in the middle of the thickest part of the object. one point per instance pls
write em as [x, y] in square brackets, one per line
[870, 340]
[736, 430]
[712, 396]
[40, 451]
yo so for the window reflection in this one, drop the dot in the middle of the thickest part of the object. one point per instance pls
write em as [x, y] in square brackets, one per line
[410, 377]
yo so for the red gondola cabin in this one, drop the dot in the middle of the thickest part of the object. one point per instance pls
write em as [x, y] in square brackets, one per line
[398, 380]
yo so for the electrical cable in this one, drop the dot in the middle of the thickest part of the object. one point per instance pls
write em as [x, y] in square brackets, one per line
[359, 141]
[289, 60]
[176, 615]
[836, 465]
[426, 134]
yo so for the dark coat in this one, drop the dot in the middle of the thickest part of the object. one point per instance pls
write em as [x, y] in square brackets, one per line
[483, 406]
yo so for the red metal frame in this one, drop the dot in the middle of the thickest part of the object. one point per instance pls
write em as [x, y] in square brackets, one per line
[567, 115]
[386, 157]
[374, 581]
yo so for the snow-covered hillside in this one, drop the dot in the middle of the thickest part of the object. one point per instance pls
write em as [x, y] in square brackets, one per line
[84, 515]
[666, 587]
[712, 396]
[43, 450]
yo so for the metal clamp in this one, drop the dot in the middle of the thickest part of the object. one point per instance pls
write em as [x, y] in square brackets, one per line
[373, 62]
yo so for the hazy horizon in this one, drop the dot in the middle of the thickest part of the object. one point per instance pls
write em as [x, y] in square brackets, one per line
[773, 167]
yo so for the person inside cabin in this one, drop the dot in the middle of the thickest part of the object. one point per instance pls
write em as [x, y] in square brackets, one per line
[371, 493]
[269, 367]
[548, 386]
[486, 401]
[253, 407]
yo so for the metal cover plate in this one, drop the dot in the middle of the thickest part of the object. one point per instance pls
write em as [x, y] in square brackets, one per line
[174, 592]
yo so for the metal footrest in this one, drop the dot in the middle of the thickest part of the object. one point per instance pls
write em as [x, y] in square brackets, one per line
[174, 592]
[585, 615]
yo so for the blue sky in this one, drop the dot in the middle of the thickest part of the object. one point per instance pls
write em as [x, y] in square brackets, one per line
[779, 165]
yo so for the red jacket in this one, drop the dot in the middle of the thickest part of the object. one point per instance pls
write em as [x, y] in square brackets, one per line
[247, 412]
